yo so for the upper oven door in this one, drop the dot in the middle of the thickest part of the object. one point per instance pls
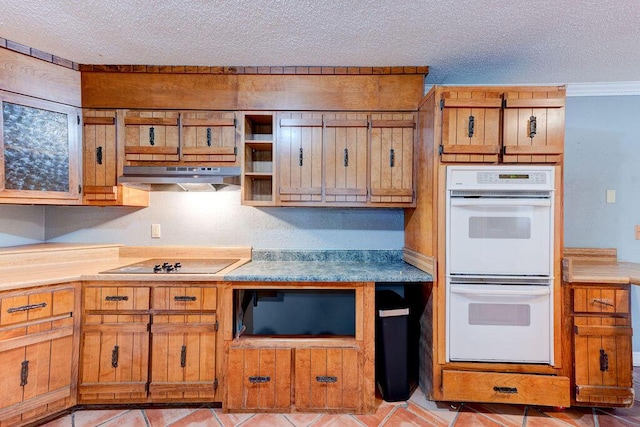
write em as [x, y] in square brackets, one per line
[499, 236]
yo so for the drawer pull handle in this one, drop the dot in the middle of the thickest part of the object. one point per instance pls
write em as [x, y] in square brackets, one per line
[99, 155]
[602, 302]
[533, 126]
[471, 129]
[116, 298]
[604, 361]
[152, 136]
[24, 373]
[392, 158]
[184, 298]
[183, 356]
[208, 137]
[326, 379]
[114, 356]
[26, 307]
[506, 390]
[259, 379]
[346, 157]
[301, 159]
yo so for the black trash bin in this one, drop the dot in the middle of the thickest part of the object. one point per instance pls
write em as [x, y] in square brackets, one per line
[392, 314]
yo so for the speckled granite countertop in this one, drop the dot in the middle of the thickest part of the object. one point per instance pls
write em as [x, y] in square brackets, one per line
[327, 266]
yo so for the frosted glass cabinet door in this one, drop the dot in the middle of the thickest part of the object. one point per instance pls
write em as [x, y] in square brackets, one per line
[39, 151]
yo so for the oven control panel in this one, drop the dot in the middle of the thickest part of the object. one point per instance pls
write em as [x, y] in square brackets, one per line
[491, 177]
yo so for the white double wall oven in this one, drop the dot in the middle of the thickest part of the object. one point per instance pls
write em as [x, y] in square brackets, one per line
[499, 263]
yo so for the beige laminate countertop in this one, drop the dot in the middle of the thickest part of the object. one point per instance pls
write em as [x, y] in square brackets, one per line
[598, 266]
[51, 263]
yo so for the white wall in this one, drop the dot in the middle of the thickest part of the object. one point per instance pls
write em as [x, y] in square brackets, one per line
[602, 152]
[21, 225]
[201, 218]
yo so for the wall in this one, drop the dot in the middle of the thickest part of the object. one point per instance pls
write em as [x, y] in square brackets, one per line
[602, 152]
[207, 218]
[21, 225]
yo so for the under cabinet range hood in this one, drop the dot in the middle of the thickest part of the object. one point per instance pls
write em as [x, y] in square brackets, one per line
[180, 175]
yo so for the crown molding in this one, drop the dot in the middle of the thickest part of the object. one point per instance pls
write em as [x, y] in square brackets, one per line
[603, 89]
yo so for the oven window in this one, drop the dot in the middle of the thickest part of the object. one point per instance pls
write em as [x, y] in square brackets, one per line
[500, 314]
[497, 227]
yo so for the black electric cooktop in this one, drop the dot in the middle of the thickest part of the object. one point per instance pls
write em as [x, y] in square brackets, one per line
[163, 266]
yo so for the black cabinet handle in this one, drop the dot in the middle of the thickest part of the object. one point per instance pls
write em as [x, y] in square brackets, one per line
[506, 390]
[114, 356]
[301, 160]
[208, 137]
[392, 158]
[604, 361]
[24, 373]
[472, 123]
[184, 298]
[259, 379]
[99, 155]
[183, 356]
[602, 302]
[26, 307]
[152, 136]
[326, 379]
[346, 157]
[116, 298]
[533, 126]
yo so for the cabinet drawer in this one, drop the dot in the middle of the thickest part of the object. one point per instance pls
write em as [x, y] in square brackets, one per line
[184, 298]
[505, 388]
[116, 298]
[601, 300]
[39, 305]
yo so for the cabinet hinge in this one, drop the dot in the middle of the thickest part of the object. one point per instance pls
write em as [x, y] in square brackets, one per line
[78, 117]
[440, 149]
[215, 384]
[441, 104]
[215, 326]
[235, 122]
[79, 189]
[504, 103]
[235, 150]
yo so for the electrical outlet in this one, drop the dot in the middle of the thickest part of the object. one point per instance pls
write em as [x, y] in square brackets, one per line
[611, 196]
[155, 231]
[637, 232]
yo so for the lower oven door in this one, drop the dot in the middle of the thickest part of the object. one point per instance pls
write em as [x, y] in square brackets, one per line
[499, 323]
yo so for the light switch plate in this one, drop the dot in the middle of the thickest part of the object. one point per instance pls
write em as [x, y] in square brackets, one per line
[611, 196]
[155, 231]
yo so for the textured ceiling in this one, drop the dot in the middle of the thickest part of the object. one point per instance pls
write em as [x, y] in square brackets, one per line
[463, 42]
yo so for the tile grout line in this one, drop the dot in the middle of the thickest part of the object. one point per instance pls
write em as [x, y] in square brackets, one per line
[145, 418]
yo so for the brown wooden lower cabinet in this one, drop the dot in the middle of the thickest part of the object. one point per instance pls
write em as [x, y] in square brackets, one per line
[498, 387]
[259, 379]
[37, 348]
[603, 365]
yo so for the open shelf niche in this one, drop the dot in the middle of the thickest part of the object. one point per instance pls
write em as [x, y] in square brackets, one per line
[258, 172]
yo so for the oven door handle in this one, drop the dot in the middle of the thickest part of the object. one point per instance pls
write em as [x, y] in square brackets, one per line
[492, 202]
[498, 292]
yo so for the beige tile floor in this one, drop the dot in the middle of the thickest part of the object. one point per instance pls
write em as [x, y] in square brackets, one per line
[417, 411]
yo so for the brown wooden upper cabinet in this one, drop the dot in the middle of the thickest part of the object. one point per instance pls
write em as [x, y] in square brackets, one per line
[39, 151]
[345, 159]
[171, 138]
[487, 125]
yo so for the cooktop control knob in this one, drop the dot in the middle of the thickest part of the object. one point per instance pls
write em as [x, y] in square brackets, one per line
[157, 268]
[169, 268]
[177, 265]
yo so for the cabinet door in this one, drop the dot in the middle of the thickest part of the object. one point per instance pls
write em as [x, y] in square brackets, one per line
[603, 361]
[345, 157]
[151, 137]
[209, 136]
[533, 127]
[39, 151]
[392, 139]
[260, 378]
[183, 363]
[100, 159]
[300, 157]
[471, 126]
[114, 360]
[327, 378]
